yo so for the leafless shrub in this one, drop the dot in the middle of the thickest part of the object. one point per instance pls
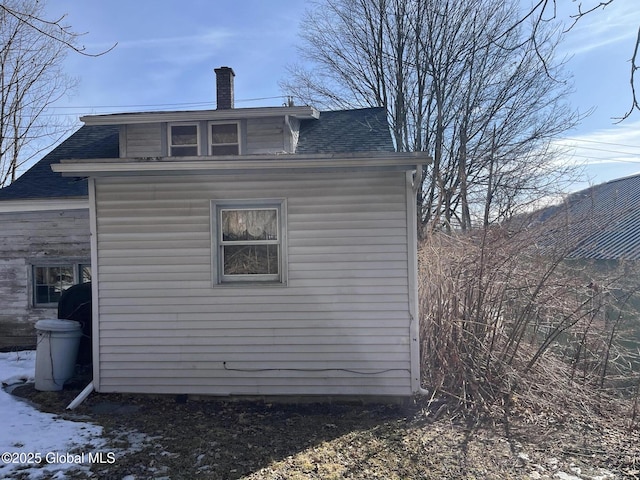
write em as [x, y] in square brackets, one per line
[505, 316]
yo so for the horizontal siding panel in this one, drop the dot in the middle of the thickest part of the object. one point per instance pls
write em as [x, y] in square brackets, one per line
[231, 323]
[117, 344]
[347, 258]
[325, 389]
[278, 378]
[266, 359]
[169, 307]
[298, 271]
[376, 269]
[189, 289]
[158, 253]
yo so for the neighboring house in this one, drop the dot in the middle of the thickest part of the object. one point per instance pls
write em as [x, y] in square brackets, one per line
[256, 251]
[44, 236]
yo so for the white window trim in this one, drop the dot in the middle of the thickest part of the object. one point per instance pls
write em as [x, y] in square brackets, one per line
[183, 124]
[222, 122]
[218, 277]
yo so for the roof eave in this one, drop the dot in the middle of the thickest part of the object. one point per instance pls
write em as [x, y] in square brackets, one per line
[244, 164]
[301, 112]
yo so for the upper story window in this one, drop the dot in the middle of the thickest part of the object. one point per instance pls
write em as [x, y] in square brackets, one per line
[224, 138]
[183, 140]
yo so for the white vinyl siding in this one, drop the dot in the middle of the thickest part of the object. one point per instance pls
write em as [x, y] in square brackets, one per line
[339, 327]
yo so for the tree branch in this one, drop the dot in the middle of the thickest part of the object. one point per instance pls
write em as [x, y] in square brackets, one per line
[32, 21]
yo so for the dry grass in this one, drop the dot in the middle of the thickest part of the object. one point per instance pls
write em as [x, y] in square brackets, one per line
[503, 317]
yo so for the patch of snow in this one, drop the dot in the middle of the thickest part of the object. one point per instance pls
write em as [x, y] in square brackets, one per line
[603, 475]
[565, 476]
[33, 443]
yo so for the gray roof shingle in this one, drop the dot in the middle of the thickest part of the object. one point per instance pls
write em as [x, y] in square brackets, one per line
[346, 131]
[89, 141]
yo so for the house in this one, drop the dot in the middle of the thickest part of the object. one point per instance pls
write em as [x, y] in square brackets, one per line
[44, 236]
[259, 251]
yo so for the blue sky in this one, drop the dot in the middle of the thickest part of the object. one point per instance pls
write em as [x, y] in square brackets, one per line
[167, 50]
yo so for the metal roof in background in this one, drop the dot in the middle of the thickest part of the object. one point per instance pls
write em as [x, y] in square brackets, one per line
[604, 220]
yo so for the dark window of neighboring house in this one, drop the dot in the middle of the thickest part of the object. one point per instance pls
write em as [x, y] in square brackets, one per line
[224, 138]
[49, 281]
[183, 140]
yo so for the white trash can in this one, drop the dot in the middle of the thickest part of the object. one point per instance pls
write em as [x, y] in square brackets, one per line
[56, 352]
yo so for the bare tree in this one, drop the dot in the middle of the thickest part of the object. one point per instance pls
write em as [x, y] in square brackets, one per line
[32, 50]
[485, 109]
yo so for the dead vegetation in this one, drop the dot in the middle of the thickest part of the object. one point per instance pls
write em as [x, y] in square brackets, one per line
[505, 318]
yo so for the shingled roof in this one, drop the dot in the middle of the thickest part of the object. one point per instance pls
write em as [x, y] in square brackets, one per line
[343, 131]
[99, 141]
[604, 220]
[346, 131]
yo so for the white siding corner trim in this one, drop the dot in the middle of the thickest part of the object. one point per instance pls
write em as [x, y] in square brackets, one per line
[95, 279]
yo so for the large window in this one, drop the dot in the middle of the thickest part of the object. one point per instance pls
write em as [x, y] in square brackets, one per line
[49, 281]
[224, 139]
[249, 242]
[183, 140]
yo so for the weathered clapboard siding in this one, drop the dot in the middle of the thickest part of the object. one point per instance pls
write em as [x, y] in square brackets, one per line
[27, 238]
[340, 325]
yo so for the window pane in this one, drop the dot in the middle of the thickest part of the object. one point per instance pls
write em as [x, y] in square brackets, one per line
[184, 151]
[40, 275]
[224, 150]
[227, 133]
[249, 225]
[50, 282]
[184, 135]
[250, 259]
[85, 273]
[42, 294]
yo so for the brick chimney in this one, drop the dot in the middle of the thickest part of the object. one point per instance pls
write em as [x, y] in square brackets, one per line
[224, 88]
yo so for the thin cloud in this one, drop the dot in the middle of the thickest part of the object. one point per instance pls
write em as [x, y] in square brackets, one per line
[602, 28]
[616, 145]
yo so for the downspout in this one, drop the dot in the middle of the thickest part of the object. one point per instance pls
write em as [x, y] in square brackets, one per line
[81, 397]
[414, 309]
[93, 227]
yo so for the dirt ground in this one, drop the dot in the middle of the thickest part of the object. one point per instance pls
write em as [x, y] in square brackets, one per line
[180, 438]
